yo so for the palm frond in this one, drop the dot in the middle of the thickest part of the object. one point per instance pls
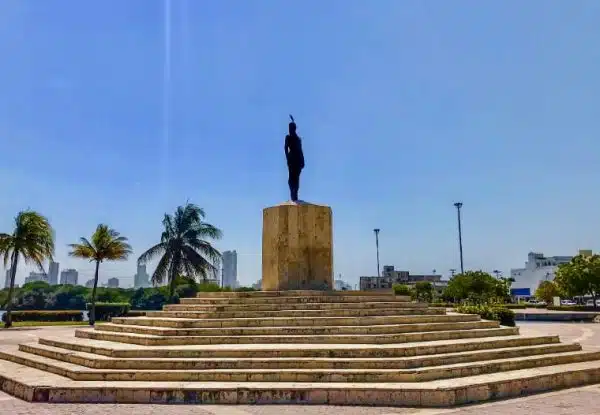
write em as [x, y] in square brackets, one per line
[152, 252]
[162, 269]
[106, 244]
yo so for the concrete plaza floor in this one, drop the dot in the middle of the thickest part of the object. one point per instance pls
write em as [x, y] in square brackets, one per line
[580, 401]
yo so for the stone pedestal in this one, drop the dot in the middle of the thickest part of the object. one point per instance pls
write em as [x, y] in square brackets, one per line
[297, 247]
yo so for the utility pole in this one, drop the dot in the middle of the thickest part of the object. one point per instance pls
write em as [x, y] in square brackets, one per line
[458, 205]
[376, 230]
[452, 272]
[497, 273]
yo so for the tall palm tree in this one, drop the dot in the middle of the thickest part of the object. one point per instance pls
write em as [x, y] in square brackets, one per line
[183, 248]
[106, 245]
[33, 240]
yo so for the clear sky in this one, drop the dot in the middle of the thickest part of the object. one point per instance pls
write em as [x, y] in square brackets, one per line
[118, 111]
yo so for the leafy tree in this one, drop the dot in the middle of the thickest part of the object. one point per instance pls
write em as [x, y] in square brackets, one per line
[106, 245]
[33, 240]
[42, 286]
[546, 291]
[475, 286]
[424, 291]
[581, 276]
[183, 248]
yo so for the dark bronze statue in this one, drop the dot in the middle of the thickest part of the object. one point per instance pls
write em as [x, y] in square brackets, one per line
[295, 159]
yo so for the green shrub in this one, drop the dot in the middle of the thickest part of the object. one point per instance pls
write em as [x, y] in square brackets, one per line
[505, 316]
[45, 315]
[445, 305]
[245, 289]
[400, 289]
[209, 287]
[105, 311]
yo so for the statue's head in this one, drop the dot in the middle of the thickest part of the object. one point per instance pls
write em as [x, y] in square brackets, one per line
[292, 127]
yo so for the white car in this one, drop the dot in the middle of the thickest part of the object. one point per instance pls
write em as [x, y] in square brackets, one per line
[590, 303]
[568, 302]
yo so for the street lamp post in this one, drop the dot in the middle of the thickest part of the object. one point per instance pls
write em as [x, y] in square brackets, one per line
[376, 230]
[458, 205]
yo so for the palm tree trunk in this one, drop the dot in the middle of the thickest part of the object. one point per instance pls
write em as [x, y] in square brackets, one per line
[172, 287]
[93, 307]
[9, 300]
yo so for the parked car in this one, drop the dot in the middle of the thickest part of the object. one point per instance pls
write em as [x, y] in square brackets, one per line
[536, 302]
[590, 303]
[568, 302]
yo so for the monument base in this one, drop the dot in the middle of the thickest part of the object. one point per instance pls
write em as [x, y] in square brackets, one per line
[297, 247]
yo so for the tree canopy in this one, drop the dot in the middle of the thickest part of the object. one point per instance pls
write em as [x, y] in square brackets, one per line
[581, 276]
[546, 291]
[477, 287]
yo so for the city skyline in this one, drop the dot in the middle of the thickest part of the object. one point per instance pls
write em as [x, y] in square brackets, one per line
[401, 114]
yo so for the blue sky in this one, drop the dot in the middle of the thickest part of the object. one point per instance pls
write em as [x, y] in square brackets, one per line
[404, 108]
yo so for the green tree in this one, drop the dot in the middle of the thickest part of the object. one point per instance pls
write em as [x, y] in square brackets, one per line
[475, 286]
[183, 248]
[581, 276]
[424, 291]
[33, 240]
[106, 245]
[546, 291]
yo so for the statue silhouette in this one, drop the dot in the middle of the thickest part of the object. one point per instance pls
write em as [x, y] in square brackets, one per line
[295, 159]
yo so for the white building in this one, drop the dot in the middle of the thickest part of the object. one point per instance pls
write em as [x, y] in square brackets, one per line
[89, 283]
[538, 268]
[340, 285]
[230, 269]
[69, 276]
[7, 279]
[113, 283]
[53, 273]
[141, 278]
[36, 276]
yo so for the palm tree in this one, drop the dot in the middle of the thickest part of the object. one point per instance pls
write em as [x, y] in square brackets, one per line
[106, 245]
[183, 248]
[32, 239]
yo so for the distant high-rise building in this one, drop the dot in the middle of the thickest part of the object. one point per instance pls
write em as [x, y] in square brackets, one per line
[53, 273]
[230, 269]
[89, 283]
[36, 276]
[141, 278]
[69, 276]
[7, 279]
[113, 283]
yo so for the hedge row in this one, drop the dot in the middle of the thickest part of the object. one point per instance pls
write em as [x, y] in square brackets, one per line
[106, 311]
[45, 315]
[505, 316]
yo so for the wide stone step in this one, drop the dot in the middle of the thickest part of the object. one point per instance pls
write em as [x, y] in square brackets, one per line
[102, 362]
[80, 373]
[342, 351]
[149, 340]
[291, 293]
[299, 313]
[293, 321]
[297, 330]
[293, 306]
[297, 300]
[39, 386]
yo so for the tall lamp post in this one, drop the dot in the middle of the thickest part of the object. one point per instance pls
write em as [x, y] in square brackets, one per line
[458, 205]
[376, 230]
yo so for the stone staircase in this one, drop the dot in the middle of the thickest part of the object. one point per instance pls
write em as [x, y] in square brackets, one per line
[310, 347]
